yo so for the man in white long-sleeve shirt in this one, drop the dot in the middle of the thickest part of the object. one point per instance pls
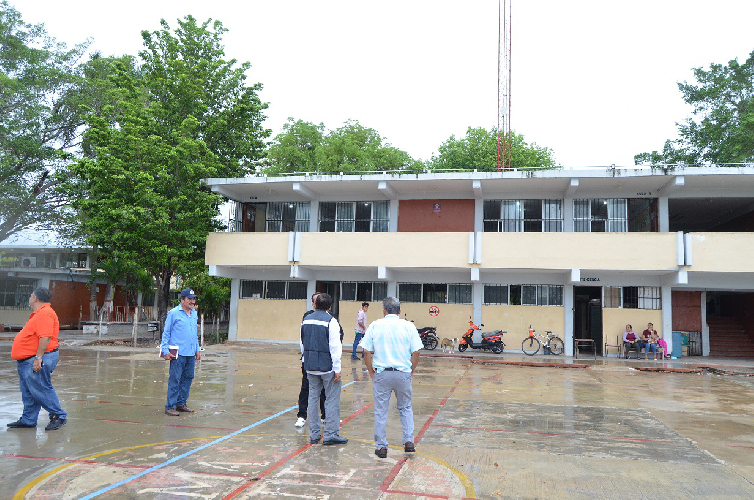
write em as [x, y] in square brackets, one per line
[322, 349]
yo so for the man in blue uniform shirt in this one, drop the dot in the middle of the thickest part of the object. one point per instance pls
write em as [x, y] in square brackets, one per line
[180, 330]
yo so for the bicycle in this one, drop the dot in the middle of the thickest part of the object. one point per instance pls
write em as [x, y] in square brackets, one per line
[532, 343]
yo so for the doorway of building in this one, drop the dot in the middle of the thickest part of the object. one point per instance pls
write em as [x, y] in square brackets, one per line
[332, 288]
[587, 314]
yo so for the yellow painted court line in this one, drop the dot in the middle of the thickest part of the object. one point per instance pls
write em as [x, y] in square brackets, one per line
[21, 494]
[465, 481]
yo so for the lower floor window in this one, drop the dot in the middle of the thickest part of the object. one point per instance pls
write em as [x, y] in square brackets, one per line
[633, 297]
[435, 293]
[363, 291]
[280, 290]
[527, 295]
[15, 292]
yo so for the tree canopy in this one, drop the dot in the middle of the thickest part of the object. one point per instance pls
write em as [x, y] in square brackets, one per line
[305, 147]
[180, 114]
[721, 129]
[478, 150]
[41, 92]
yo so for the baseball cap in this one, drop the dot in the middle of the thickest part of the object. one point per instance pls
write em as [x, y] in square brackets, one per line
[187, 293]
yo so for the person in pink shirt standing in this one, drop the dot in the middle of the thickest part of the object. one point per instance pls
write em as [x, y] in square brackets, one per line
[361, 328]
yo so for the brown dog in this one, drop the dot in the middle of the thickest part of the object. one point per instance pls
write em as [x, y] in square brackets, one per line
[449, 344]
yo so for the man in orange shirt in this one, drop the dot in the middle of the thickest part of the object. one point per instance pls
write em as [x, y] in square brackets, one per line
[35, 348]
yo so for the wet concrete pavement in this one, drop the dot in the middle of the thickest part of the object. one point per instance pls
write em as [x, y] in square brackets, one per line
[529, 427]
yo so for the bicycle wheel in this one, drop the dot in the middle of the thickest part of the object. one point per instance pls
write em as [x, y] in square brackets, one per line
[530, 346]
[556, 345]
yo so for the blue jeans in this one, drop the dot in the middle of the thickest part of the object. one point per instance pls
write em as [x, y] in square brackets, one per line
[356, 341]
[179, 383]
[36, 389]
[648, 347]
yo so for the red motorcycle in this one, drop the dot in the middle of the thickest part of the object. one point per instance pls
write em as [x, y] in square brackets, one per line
[491, 341]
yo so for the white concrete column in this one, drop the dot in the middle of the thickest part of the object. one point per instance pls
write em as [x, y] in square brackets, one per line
[478, 215]
[393, 223]
[568, 215]
[667, 315]
[705, 327]
[662, 214]
[235, 292]
[568, 320]
[392, 288]
[314, 216]
[477, 299]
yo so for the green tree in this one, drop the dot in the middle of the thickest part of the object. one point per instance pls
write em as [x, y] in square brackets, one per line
[721, 129]
[306, 147]
[183, 114]
[40, 122]
[478, 150]
[294, 149]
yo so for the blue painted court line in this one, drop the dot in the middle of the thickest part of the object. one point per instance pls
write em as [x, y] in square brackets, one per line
[175, 459]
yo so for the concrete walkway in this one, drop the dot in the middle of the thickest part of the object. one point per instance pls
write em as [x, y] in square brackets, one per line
[487, 426]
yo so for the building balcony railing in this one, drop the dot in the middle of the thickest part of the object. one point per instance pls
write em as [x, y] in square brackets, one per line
[650, 252]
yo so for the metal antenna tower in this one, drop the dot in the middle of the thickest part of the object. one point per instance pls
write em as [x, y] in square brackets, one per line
[504, 85]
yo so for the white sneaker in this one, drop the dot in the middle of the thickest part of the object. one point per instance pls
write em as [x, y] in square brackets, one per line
[300, 422]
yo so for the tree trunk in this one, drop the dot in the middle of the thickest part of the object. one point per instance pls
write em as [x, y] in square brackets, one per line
[93, 301]
[136, 320]
[163, 291]
[108, 305]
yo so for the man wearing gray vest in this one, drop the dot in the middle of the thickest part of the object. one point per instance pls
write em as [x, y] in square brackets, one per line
[322, 350]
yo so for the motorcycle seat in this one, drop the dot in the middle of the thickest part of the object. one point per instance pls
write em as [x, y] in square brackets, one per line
[492, 334]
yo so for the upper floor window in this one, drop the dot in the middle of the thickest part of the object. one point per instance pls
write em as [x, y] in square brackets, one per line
[359, 216]
[273, 217]
[516, 216]
[618, 215]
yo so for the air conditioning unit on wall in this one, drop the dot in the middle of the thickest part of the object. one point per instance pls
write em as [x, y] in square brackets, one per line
[27, 261]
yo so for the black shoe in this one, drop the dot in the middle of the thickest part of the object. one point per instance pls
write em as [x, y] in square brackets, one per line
[314, 441]
[335, 440]
[382, 452]
[409, 447]
[19, 425]
[55, 424]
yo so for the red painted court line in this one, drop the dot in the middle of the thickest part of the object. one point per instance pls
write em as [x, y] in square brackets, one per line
[385, 486]
[747, 447]
[238, 490]
[358, 412]
[256, 413]
[435, 413]
[233, 494]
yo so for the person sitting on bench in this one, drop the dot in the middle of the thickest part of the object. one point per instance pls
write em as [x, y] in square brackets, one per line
[631, 341]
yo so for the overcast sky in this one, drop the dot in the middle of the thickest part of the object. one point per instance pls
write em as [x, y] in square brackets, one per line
[594, 80]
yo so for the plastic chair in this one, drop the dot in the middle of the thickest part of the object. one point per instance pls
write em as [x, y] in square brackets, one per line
[618, 345]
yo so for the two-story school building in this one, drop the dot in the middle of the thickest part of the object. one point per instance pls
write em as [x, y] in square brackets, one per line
[578, 252]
